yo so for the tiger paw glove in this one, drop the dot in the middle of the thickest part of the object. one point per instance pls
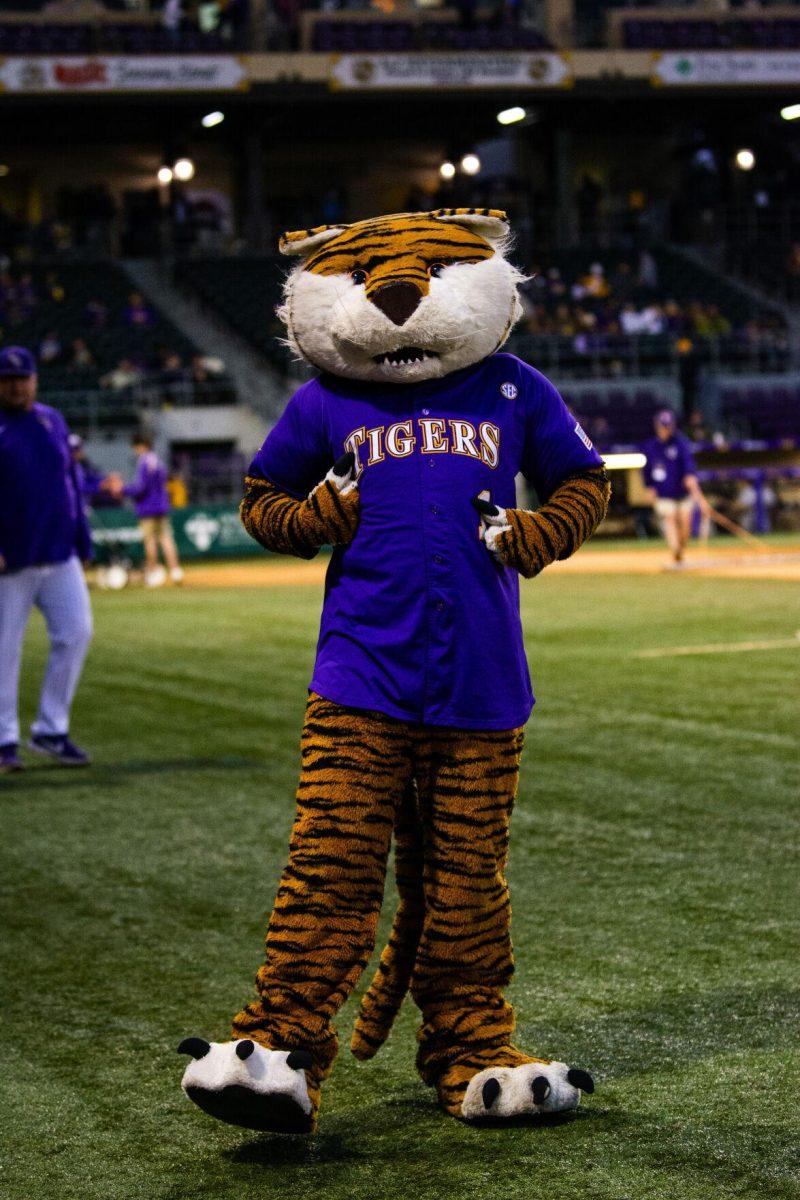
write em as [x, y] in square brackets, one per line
[530, 541]
[300, 527]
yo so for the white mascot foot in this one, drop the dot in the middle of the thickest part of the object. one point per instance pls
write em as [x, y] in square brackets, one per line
[244, 1084]
[502, 1092]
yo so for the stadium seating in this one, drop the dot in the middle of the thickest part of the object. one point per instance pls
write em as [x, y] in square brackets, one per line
[114, 340]
[704, 33]
[35, 37]
[679, 278]
[362, 36]
[245, 292]
[615, 416]
[768, 412]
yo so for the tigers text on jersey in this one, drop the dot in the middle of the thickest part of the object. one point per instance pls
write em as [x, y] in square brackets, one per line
[419, 621]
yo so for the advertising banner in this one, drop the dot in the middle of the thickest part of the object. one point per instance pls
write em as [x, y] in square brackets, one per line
[201, 531]
[472, 70]
[725, 68]
[113, 73]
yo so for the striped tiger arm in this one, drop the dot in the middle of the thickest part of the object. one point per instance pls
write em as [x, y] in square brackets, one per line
[531, 541]
[300, 527]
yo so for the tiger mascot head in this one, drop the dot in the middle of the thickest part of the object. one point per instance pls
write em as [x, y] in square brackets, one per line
[401, 298]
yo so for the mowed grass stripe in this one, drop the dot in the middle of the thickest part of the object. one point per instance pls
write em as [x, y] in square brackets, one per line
[652, 875]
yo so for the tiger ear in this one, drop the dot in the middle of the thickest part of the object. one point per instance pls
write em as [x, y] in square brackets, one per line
[303, 241]
[489, 223]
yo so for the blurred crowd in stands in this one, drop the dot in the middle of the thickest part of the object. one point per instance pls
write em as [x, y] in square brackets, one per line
[21, 299]
[628, 301]
[170, 370]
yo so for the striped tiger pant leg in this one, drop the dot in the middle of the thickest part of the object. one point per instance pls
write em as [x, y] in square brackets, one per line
[355, 767]
[382, 1001]
[467, 783]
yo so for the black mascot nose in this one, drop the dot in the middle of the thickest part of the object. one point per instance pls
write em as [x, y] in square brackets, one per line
[397, 301]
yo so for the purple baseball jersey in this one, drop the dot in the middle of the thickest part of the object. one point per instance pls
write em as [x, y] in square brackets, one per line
[668, 463]
[149, 487]
[419, 621]
[42, 519]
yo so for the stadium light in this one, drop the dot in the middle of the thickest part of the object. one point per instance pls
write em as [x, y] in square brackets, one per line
[509, 116]
[4, 169]
[211, 119]
[183, 170]
[164, 175]
[745, 160]
[623, 462]
[447, 170]
[470, 164]
[791, 112]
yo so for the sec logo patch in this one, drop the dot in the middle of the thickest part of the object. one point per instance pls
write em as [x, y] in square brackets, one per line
[509, 390]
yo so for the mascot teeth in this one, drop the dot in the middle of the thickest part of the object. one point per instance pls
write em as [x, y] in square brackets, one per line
[405, 356]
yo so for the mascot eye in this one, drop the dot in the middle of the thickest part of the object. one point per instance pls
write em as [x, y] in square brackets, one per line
[358, 276]
[435, 269]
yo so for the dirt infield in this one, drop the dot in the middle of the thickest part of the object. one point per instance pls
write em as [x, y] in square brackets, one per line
[725, 562]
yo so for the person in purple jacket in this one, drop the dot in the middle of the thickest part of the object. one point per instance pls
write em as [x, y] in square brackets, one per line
[44, 535]
[670, 476]
[148, 490]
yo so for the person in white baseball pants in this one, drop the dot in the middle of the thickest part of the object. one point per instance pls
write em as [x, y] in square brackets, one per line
[44, 535]
[59, 591]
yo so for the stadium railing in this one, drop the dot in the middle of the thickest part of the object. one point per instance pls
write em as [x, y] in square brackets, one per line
[600, 356]
[95, 410]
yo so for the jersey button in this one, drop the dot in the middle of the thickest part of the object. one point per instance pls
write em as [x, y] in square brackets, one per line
[440, 605]
[426, 412]
[437, 558]
[435, 509]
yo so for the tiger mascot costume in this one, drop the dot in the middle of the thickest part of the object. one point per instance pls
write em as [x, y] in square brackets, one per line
[417, 427]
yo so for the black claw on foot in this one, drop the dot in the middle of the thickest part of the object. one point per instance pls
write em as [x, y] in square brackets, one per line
[299, 1060]
[244, 1048]
[491, 1090]
[345, 464]
[581, 1079]
[485, 507]
[197, 1047]
[541, 1089]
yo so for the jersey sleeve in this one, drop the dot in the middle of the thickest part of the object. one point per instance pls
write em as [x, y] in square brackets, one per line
[688, 463]
[138, 485]
[555, 445]
[83, 529]
[296, 454]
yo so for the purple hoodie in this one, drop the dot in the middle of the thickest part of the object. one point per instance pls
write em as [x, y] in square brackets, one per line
[42, 519]
[149, 488]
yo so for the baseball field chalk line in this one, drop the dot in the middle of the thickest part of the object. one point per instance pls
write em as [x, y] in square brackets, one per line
[721, 648]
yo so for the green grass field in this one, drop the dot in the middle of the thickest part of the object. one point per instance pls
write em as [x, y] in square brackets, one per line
[653, 874]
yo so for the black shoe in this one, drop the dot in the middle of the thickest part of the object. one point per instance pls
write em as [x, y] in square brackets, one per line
[9, 759]
[59, 746]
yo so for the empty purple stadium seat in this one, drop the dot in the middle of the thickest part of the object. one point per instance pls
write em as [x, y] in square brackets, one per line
[755, 33]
